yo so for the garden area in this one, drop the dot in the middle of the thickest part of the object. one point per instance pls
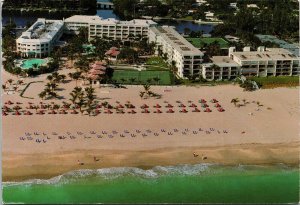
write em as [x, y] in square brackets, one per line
[134, 77]
[156, 63]
[278, 81]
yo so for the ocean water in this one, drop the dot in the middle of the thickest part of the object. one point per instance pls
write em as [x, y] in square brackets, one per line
[201, 183]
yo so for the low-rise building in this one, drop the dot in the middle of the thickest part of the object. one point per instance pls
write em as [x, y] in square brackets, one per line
[261, 63]
[40, 38]
[178, 50]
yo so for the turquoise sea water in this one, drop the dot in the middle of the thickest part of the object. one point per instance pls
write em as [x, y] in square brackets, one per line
[202, 183]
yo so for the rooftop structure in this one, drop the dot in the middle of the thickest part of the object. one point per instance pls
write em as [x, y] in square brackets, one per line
[40, 38]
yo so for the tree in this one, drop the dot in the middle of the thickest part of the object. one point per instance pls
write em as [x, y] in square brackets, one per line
[43, 94]
[156, 79]
[75, 76]
[132, 80]
[235, 101]
[90, 98]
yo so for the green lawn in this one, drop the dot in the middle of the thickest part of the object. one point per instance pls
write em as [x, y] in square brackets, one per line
[141, 77]
[157, 61]
[200, 42]
[279, 81]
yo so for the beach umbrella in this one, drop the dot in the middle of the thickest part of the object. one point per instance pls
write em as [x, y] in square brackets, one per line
[220, 109]
[214, 100]
[4, 114]
[178, 101]
[170, 111]
[97, 111]
[52, 112]
[184, 110]
[19, 103]
[196, 110]
[17, 113]
[217, 105]
[202, 101]
[145, 111]
[182, 105]
[158, 111]
[10, 102]
[207, 110]
[193, 105]
[157, 106]
[120, 106]
[17, 107]
[132, 112]
[5, 107]
[108, 111]
[74, 112]
[30, 103]
[169, 106]
[28, 113]
[120, 111]
[144, 106]
[63, 112]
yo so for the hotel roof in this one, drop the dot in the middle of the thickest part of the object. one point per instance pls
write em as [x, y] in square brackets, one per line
[177, 41]
[109, 21]
[224, 61]
[42, 30]
[269, 54]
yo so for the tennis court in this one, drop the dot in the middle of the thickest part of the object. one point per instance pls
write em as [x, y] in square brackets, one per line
[142, 77]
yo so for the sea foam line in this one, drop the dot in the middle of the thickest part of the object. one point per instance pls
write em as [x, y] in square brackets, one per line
[115, 172]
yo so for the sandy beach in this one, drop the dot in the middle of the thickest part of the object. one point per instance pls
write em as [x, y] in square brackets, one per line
[267, 136]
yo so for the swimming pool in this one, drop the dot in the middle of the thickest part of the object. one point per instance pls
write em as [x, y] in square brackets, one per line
[26, 64]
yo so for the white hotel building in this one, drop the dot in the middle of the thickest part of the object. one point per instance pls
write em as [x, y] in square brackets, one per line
[187, 58]
[40, 38]
[110, 28]
[261, 63]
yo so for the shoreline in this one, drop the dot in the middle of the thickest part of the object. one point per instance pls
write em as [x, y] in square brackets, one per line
[18, 168]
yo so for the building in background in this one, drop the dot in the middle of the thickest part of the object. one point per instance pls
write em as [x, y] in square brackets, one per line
[40, 38]
[109, 28]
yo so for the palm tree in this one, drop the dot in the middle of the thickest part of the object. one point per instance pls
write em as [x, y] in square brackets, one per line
[4, 87]
[35, 66]
[149, 81]
[142, 94]
[81, 102]
[63, 78]
[75, 76]
[173, 66]
[132, 80]
[123, 80]
[43, 94]
[50, 78]
[10, 81]
[235, 101]
[156, 79]
[90, 98]
[75, 94]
